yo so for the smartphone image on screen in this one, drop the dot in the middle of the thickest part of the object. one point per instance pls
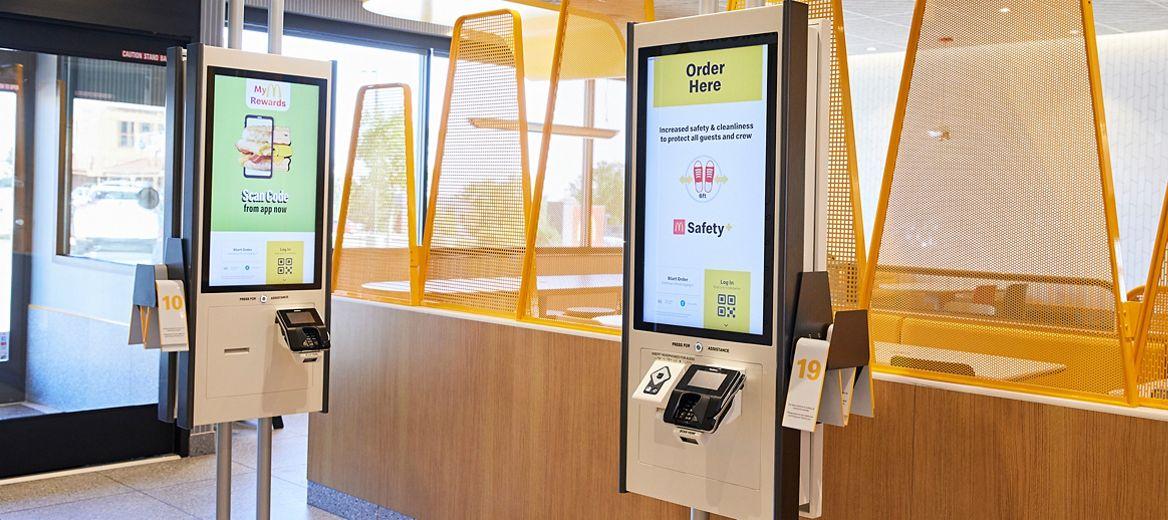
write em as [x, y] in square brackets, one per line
[255, 146]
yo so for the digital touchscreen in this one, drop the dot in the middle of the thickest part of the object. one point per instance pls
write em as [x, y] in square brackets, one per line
[705, 172]
[265, 173]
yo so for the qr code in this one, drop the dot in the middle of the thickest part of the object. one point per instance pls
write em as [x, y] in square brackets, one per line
[727, 305]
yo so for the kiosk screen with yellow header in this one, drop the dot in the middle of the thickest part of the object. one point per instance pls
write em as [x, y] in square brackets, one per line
[705, 172]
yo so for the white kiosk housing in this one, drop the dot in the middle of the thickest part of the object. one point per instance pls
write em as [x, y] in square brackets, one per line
[726, 230]
[256, 225]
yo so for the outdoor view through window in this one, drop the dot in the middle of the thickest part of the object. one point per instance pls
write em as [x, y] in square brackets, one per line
[117, 159]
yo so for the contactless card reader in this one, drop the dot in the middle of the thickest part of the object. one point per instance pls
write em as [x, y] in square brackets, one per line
[703, 399]
[304, 332]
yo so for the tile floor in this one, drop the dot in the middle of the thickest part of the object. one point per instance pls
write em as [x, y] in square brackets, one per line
[180, 489]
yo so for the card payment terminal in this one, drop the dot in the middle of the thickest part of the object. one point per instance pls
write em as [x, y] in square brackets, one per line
[703, 397]
[303, 330]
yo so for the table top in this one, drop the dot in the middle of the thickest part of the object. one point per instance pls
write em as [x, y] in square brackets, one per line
[989, 366]
[920, 287]
[544, 283]
[612, 320]
[1157, 389]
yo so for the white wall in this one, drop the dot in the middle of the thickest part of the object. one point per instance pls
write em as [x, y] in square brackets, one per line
[1135, 86]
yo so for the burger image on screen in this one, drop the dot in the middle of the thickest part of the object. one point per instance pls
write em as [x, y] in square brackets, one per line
[260, 147]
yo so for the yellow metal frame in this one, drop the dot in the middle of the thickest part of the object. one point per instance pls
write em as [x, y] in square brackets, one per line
[521, 101]
[529, 286]
[1103, 148]
[411, 205]
[1148, 304]
[1091, 50]
[845, 86]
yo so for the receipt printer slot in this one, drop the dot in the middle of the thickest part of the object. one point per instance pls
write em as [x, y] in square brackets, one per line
[703, 396]
[303, 330]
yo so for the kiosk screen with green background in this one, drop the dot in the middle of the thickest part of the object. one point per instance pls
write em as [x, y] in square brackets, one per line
[265, 174]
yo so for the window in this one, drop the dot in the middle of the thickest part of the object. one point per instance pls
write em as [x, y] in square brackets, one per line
[125, 134]
[114, 160]
[357, 65]
[583, 193]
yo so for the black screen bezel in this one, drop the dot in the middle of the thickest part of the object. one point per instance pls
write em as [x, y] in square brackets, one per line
[771, 41]
[208, 178]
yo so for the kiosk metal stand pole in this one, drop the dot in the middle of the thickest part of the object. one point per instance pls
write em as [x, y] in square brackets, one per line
[223, 471]
[704, 7]
[223, 429]
[264, 424]
[264, 467]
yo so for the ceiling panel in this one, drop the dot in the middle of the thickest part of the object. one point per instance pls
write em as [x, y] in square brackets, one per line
[876, 26]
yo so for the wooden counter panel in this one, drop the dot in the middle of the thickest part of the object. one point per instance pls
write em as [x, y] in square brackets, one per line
[441, 417]
[864, 464]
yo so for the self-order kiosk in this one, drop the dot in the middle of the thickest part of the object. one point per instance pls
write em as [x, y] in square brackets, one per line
[240, 304]
[240, 307]
[256, 221]
[724, 261]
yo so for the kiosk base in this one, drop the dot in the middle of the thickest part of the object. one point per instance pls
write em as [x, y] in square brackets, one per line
[223, 435]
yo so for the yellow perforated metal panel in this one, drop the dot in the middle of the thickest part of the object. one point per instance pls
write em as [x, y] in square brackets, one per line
[577, 258]
[375, 254]
[996, 229]
[845, 234]
[475, 229]
[1152, 341]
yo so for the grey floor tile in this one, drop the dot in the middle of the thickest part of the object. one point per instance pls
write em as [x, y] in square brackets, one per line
[169, 473]
[41, 493]
[289, 501]
[287, 450]
[296, 424]
[293, 474]
[127, 506]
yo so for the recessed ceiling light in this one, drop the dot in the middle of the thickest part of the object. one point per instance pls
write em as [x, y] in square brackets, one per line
[870, 49]
[1004, 10]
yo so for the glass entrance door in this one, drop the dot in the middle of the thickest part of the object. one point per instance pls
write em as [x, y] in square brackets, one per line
[82, 176]
[13, 155]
